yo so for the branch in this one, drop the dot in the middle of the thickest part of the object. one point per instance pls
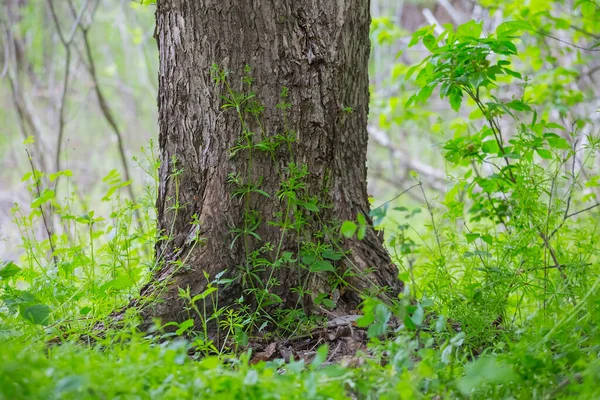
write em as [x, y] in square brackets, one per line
[565, 42]
[582, 211]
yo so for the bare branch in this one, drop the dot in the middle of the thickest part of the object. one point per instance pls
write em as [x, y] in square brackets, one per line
[582, 211]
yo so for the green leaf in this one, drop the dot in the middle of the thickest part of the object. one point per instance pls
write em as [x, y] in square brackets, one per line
[518, 105]
[415, 68]
[588, 9]
[308, 258]
[545, 154]
[204, 294]
[184, 326]
[361, 233]
[416, 37]
[478, 79]
[321, 355]
[38, 314]
[471, 237]
[8, 269]
[490, 147]
[332, 254]
[455, 99]
[430, 42]
[424, 94]
[487, 238]
[119, 283]
[440, 324]
[85, 310]
[512, 73]
[29, 140]
[46, 195]
[348, 228]
[470, 29]
[382, 317]
[486, 370]
[556, 141]
[510, 28]
[309, 206]
[554, 125]
[361, 219]
[418, 316]
[322, 266]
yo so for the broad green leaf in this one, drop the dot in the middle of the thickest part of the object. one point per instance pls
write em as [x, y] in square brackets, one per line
[430, 42]
[46, 195]
[518, 105]
[487, 238]
[322, 266]
[471, 237]
[185, 325]
[545, 154]
[554, 125]
[348, 228]
[556, 141]
[486, 370]
[309, 206]
[8, 269]
[440, 324]
[490, 147]
[38, 314]
[589, 9]
[470, 29]
[455, 99]
[418, 315]
[332, 254]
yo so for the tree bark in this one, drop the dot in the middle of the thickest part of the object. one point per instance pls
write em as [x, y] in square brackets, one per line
[319, 51]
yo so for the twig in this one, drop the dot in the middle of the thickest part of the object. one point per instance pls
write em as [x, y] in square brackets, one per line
[582, 211]
[581, 30]
[394, 198]
[565, 42]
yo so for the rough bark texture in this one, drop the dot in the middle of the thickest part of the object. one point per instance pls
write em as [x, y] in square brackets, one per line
[319, 50]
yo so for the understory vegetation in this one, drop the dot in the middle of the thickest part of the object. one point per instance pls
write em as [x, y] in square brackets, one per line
[501, 271]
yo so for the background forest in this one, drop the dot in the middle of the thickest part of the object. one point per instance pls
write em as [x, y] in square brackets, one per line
[483, 176]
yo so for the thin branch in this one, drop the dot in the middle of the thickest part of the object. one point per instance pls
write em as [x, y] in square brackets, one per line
[582, 211]
[581, 30]
[66, 41]
[565, 42]
[398, 196]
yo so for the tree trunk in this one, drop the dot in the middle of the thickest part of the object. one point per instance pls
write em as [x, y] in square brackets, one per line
[318, 52]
